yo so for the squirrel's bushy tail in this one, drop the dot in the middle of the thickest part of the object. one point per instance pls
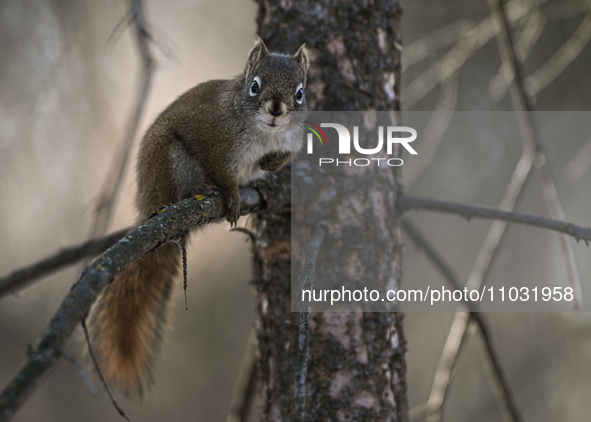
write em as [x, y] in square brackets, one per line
[128, 319]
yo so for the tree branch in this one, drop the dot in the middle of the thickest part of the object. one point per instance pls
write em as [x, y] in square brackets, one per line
[166, 225]
[245, 385]
[106, 201]
[406, 203]
[522, 102]
[504, 392]
[19, 279]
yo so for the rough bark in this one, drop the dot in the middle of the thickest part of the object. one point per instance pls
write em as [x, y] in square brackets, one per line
[357, 367]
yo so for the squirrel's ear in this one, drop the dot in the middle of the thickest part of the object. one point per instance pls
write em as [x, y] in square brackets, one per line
[302, 57]
[258, 51]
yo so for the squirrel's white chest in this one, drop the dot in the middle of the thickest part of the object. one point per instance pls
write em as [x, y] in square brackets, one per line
[261, 143]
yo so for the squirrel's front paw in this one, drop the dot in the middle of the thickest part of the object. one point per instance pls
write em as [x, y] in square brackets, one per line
[275, 161]
[233, 210]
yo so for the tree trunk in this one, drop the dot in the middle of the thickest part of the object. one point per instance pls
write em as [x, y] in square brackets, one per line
[357, 369]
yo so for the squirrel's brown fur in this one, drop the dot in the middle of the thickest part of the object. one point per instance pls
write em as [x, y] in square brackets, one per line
[216, 136]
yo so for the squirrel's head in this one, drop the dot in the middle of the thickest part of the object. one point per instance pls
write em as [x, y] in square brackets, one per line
[274, 86]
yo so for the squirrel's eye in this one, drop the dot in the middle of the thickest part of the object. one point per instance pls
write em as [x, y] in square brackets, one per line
[255, 87]
[299, 94]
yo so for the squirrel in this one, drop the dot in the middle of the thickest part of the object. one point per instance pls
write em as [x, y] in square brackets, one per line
[215, 137]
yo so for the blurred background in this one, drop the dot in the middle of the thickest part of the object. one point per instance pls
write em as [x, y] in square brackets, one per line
[66, 92]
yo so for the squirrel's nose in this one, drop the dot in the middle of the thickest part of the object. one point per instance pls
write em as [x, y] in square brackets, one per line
[276, 109]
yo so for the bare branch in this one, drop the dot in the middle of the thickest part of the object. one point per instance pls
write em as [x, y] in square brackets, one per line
[470, 39]
[529, 36]
[436, 40]
[99, 372]
[106, 198]
[435, 129]
[491, 242]
[165, 226]
[502, 386]
[449, 64]
[435, 257]
[565, 9]
[522, 102]
[465, 28]
[68, 356]
[406, 203]
[505, 41]
[183, 243]
[525, 41]
[512, 192]
[579, 165]
[244, 388]
[19, 279]
[565, 55]
[244, 230]
[447, 361]
[418, 413]
[451, 33]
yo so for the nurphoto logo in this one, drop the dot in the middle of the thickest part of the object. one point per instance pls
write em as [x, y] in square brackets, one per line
[392, 137]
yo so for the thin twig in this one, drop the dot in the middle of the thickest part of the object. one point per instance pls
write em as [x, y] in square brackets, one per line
[579, 165]
[19, 279]
[557, 64]
[453, 60]
[436, 40]
[522, 102]
[112, 184]
[98, 370]
[406, 203]
[479, 271]
[165, 227]
[184, 251]
[498, 383]
[565, 9]
[506, 47]
[527, 38]
[244, 388]
[318, 237]
[448, 65]
[456, 339]
[463, 28]
[435, 129]
[502, 386]
[106, 201]
[251, 235]
[70, 358]
[435, 257]
[121, 26]
[418, 412]
[488, 249]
